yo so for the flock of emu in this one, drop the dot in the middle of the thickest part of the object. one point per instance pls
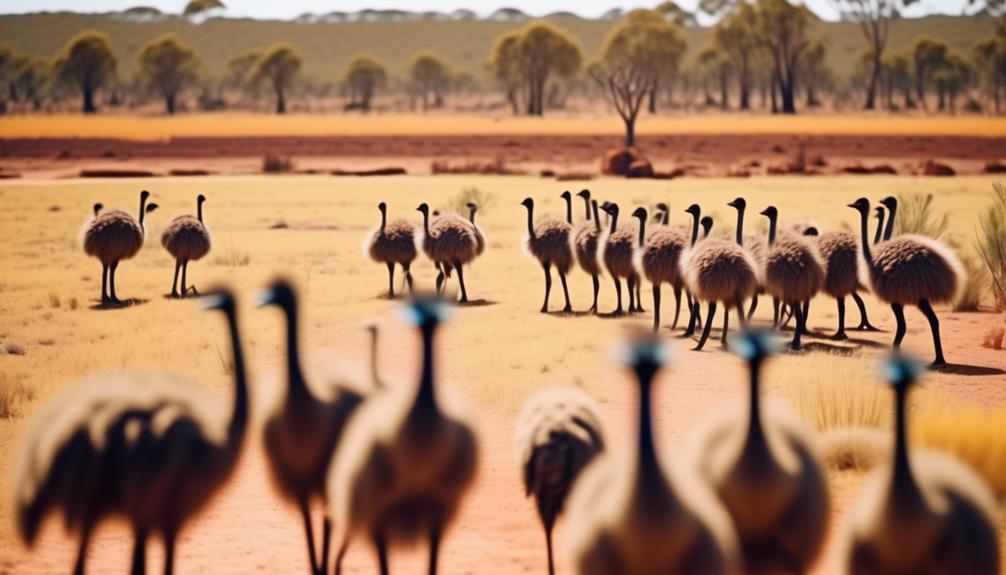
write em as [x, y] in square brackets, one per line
[393, 462]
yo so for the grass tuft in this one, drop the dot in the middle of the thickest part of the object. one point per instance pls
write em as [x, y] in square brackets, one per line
[991, 244]
[458, 203]
[14, 396]
[916, 215]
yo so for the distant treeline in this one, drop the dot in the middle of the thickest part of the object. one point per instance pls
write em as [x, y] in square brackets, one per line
[769, 54]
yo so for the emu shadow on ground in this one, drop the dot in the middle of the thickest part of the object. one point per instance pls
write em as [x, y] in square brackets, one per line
[109, 305]
[968, 370]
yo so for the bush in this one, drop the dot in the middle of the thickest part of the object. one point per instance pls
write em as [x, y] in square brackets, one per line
[976, 281]
[273, 164]
[459, 202]
[991, 244]
[917, 216]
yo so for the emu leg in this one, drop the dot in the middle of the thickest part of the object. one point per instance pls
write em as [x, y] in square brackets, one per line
[391, 280]
[548, 285]
[618, 291]
[639, 295]
[104, 283]
[111, 282]
[677, 307]
[806, 313]
[339, 556]
[840, 334]
[709, 324]
[169, 552]
[693, 314]
[801, 323]
[864, 321]
[565, 292]
[185, 270]
[440, 281]
[382, 553]
[85, 539]
[899, 316]
[434, 549]
[139, 552]
[934, 326]
[739, 306]
[326, 541]
[632, 293]
[751, 310]
[775, 312]
[305, 512]
[548, 547]
[408, 277]
[597, 288]
[726, 323]
[174, 282]
[461, 280]
[656, 307]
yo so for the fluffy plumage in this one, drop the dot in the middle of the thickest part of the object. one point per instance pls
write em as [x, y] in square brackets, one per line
[794, 271]
[550, 243]
[909, 268]
[396, 243]
[113, 236]
[840, 253]
[619, 248]
[186, 238]
[719, 270]
[557, 434]
[450, 239]
[659, 258]
[585, 240]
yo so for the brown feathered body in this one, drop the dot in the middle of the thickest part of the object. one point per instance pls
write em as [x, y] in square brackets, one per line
[585, 240]
[396, 243]
[618, 250]
[660, 256]
[840, 254]
[910, 268]
[794, 271]
[113, 236]
[944, 525]
[558, 433]
[186, 239]
[719, 270]
[550, 243]
[758, 248]
[480, 239]
[451, 239]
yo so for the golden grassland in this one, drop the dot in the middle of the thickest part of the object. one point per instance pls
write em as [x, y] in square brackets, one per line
[496, 352]
[262, 125]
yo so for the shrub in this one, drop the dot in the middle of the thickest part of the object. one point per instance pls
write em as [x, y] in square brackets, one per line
[994, 338]
[274, 164]
[917, 216]
[991, 244]
[459, 202]
[976, 281]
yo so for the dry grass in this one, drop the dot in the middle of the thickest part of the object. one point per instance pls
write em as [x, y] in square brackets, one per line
[976, 436]
[976, 282]
[994, 338]
[239, 124]
[15, 396]
[991, 244]
[916, 215]
[471, 194]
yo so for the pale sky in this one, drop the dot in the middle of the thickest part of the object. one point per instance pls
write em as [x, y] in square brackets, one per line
[287, 9]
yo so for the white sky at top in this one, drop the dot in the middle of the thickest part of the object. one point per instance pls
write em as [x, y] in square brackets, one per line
[287, 9]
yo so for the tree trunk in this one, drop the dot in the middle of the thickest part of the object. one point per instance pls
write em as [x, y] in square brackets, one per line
[630, 132]
[920, 87]
[169, 104]
[871, 91]
[89, 107]
[724, 90]
[775, 100]
[942, 104]
[281, 102]
[652, 105]
[745, 90]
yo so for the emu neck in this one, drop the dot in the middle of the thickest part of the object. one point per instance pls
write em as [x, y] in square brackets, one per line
[756, 433]
[771, 230]
[865, 236]
[614, 220]
[695, 228]
[199, 212]
[880, 229]
[384, 219]
[597, 219]
[586, 208]
[426, 401]
[904, 489]
[239, 418]
[296, 386]
[373, 358]
[426, 223]
[471, 216]
[530, 220]
[740, 225]
[642, 231]
[649, 465]
[889, 230]
[569, 210]
[143, 209]
[664, 219]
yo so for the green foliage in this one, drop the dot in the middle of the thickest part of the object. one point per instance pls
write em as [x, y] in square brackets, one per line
[87, 63]
[429, 74]
[196, 7]
[917, 216]
[168, 66]
[645, 39]
[279, 67]
[365, 75]
[991, 244]
[529, 58]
